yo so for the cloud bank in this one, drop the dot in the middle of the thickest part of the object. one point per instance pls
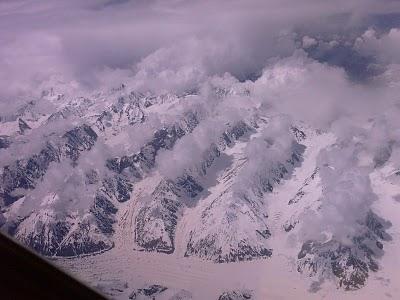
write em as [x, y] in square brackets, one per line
[79, 40]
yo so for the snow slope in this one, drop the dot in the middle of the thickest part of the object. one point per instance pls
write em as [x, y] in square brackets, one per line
[272, 278]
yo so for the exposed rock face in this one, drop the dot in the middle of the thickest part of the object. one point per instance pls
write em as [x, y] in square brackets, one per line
[23, 126]
[63, 235]
[118, 187]
[103, 210]
[301, 191]
[4, 142]
[79, 139]
[43, 232]
[60, 234]
[112, 289]
[154, 292]
[150, 291]
[164, 138]
[156, 222]
[75, 108]
[188, 186]
[227, 240]
[84, 238]
[221, 235]
[24, 173]
[52, 234]
[47, 231]
[127, 110]
[349, 264]
[298, 134]
[236, 295]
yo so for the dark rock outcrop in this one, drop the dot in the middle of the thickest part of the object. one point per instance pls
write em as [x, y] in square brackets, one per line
[156, 222]
[352, 263]
[5, 142]
[23, 126]
[236, 295]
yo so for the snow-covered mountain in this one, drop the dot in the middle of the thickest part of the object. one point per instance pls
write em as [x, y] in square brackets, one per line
[242, 189]
[205, 149]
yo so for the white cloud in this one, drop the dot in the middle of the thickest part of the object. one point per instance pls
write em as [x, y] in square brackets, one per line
[386, 46]
[309, 42]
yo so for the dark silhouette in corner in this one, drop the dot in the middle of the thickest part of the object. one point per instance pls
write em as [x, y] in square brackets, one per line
[25, 275]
